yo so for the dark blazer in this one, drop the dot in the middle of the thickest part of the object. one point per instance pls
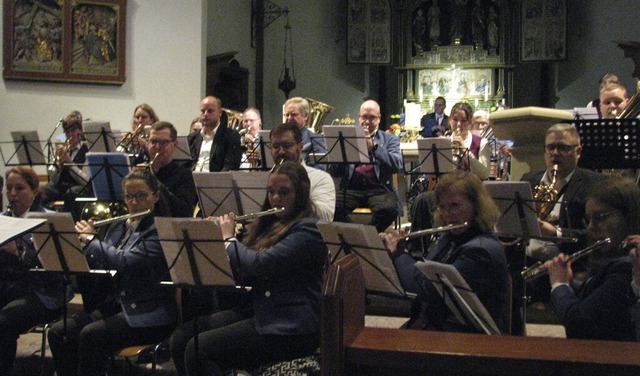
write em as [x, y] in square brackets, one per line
[178, 187]
[601, 308]
[572, 211]
[226, 153]
[312, 143]
[429, 127]
[481, 261]
[140, 266]
[286, 280]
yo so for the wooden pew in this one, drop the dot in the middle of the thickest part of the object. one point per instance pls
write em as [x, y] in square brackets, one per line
[349, 348]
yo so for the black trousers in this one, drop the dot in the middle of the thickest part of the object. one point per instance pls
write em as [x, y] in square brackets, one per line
[383, 205]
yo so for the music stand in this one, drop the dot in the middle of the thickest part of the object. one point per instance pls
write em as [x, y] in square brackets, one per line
[99, 136]
[108, 170]
[458, 296]
[348, 144]
[196, 255]
[182, 152]
[609, 143]
[215, 193]
[435, 156]
[28, 149]
[263, 147]
[363, 241]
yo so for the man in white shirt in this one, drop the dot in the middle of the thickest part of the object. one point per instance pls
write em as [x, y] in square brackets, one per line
[286, 144]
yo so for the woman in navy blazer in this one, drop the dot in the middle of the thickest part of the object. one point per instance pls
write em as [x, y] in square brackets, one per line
[474, 251]
[147, 310]
[597, 306]
[282, 259]
[26, 298]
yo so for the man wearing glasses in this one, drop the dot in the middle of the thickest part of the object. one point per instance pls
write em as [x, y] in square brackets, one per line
[286, 145]
[370, 185]
[562, 147]
[296, 112]
[435, 124]
[176, 181]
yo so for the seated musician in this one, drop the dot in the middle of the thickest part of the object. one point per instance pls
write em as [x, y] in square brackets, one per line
[135, 142]
[297, 112]
[176, 180]
[598, 307]
[144, 311]
[282, 259]
[473, 155]
[613, 100]
[26, 298]
[67, 180]
[474, 251]
[370, 185]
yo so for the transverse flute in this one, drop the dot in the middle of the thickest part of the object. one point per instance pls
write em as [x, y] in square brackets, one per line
[120, 218]
[436, 230]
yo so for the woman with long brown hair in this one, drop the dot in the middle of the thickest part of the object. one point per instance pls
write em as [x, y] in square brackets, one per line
[282, 259]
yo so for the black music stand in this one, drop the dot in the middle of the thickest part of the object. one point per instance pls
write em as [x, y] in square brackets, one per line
[363, 241]
[196, 255]
[28, 150]
[609, 143]
[435, 157]
[458, 296]
[99, 136]
[239, 192]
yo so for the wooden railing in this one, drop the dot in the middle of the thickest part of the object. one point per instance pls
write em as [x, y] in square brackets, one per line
[350, 348]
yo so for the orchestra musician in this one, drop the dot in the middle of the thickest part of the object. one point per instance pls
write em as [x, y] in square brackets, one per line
[634, 244]
[141, 310]
[134, 142]
[26, 298]
[613, 99]
[474, 251]
[296, 112]
[598, 307]
[67, 180]
[282, 259]
[216, 147]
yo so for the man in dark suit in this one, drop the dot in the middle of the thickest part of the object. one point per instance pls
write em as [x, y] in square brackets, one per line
[436, 123]
[567, 218]
[216, 147]
[370, 185]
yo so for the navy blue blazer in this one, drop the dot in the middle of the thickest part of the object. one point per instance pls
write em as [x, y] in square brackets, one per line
[226, 153]
[286, 279]
[601, 308]
[140, 266]
[481, 261]
[429, 127]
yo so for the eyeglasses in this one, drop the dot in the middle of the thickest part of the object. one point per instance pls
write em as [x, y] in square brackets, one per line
[561, 148]
[368, 117]
[283, 146]
[159, 143]
[139, 196]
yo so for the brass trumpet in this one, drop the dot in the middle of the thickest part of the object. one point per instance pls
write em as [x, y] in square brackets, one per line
[56, 165]
[121, 218]
[536, 270]
[436, 230]
[125, 145]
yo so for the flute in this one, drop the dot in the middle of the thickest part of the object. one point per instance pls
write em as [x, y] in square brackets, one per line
[249, 216]
[120, 218]
[535, 271]
[436, 230]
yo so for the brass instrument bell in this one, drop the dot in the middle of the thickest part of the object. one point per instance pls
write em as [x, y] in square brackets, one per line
[545, 196]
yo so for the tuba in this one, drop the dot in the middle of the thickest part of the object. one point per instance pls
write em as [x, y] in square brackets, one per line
[234, 119]
[318, 111]
[545, 196]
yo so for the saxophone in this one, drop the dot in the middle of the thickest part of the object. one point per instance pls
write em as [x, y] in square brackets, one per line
[545, 196]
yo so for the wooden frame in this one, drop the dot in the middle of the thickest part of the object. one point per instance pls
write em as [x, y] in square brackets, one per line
[65, 40]
[369, 32]
[543, 34]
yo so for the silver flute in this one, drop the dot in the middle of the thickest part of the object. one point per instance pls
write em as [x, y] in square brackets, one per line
[436, 230]
[120, 218]
[536, 270]
[249, 216]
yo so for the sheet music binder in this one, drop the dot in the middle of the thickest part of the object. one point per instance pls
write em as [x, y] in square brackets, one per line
[363, 241]
[108, 170]
[435, 156]
[609, 143]
[345, 144]
[458, 296]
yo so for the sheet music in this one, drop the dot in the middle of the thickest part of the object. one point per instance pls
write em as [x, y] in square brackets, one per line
[215, 193]
[68, 239]
[379, 272]
[251, 189]
[444, 155]
[182, 152]
[15, 227]
[99, 136]
[504, 194]
[108, 170]
[355, 144]
[210, 257]
[472, 307]
[31, 153]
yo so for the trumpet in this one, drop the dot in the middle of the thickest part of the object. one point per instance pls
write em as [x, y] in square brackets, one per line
[56, 165]
[120, 218]
[436, 230]
[125, 145]
[536, 270]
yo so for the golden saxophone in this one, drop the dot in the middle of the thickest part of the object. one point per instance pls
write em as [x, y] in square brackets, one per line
[536, 270]
[546, 196]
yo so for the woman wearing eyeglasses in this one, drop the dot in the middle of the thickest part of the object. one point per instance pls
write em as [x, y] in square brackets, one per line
[144, 311]
[598, 306]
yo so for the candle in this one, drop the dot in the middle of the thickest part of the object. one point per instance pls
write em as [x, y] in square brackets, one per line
[476, 102]
[486, 93]
[503, 102]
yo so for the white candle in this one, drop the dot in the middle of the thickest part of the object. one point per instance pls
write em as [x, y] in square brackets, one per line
[503, 102]
[486, 93]
[476, 103]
